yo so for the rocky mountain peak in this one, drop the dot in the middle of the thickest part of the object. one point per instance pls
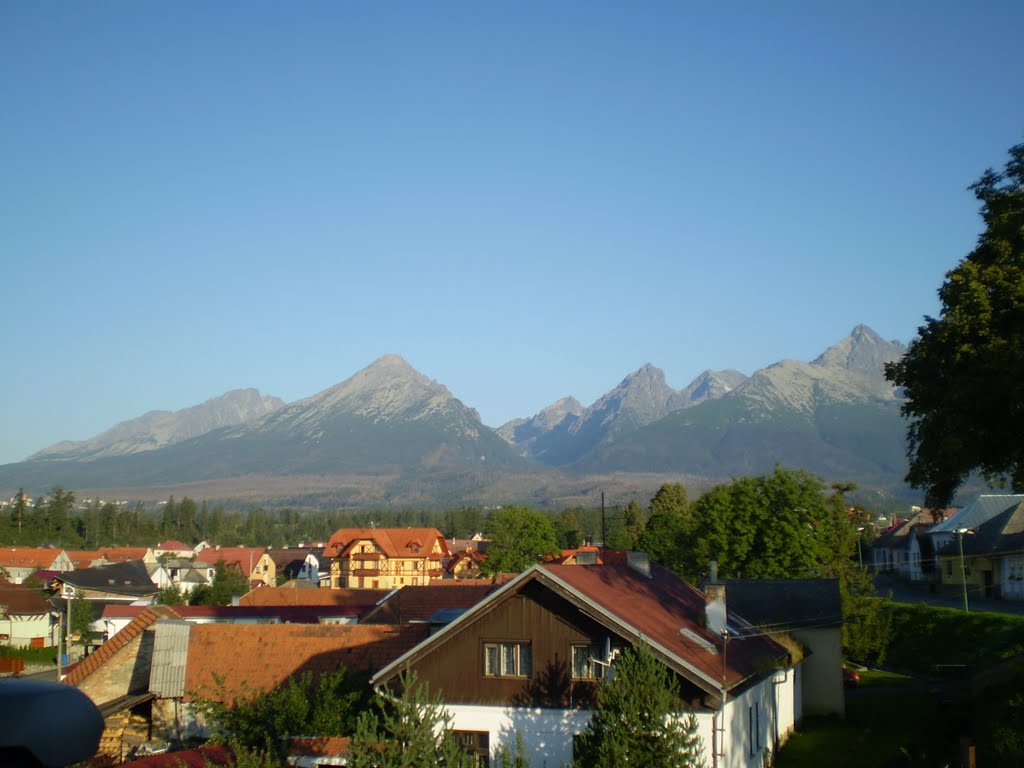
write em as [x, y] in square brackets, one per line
[863, 353]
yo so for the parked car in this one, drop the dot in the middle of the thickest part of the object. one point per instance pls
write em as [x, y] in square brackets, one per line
[850, 678]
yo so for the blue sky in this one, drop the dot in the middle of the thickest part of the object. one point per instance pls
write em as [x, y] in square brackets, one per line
[525, 200]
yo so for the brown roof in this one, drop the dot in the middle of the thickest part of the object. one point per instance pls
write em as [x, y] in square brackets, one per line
[393, 542]
[21, 600]
[357, 599]
[28, 557]
[105, 652]
[419, 603]
[255, 657]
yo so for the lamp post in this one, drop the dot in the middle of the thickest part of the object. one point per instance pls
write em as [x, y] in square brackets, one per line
[860, 554]
[963, 566]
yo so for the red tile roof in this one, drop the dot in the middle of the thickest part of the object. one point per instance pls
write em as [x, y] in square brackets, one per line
[28, 557]
[322, 746]
[660, 608]
[356, 599]
[245, 558]
[252, 657]
[123, 554]
[393, 542]
[105, 652]
[171, 544]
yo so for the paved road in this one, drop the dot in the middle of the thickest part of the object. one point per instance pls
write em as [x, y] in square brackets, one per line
[906, 592]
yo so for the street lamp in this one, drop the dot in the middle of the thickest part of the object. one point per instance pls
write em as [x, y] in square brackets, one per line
[860, 554]
[963, 566]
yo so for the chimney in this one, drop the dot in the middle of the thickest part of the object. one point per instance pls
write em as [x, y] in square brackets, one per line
[714, 602]
[640, 561]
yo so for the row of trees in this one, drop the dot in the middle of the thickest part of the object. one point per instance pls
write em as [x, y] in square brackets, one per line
[639, 719]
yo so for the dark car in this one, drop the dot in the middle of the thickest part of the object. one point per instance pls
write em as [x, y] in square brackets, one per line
[850, 678]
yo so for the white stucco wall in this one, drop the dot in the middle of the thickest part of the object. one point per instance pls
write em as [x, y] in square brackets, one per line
[548, 733]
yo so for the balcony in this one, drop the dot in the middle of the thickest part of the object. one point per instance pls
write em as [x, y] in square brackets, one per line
[435, 573]
[364, 572]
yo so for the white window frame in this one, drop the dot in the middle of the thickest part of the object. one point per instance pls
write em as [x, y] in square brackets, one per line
[508, 659]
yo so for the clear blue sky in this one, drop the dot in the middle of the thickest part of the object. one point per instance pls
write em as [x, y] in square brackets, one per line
[526, 200]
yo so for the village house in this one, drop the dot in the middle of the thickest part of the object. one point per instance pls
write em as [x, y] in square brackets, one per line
[527, 659]
[252, 562]
[27, 620]
[117, 582]
[810, 612]
[173, 548]
[982, 571]
[301, 563]
[385, 558]
[18, 563]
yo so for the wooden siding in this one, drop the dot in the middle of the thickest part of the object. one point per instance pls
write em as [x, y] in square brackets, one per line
[550, 624]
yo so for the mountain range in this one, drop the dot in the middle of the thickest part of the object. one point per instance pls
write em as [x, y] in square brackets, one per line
[403, 438]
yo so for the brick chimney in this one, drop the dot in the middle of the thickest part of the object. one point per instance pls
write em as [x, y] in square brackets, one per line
[714, 602]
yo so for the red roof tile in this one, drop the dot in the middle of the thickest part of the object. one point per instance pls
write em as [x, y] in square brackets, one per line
[28, 557]
[356, 599]
[660, 608]
[251, 657]
[393, 542]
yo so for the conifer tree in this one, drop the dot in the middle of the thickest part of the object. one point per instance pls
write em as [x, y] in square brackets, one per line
[407, 730]
[639, 719]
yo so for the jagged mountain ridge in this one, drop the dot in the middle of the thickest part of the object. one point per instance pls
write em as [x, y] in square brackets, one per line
[157, 429]
[642, 398]
[386, 419]
[835, 416]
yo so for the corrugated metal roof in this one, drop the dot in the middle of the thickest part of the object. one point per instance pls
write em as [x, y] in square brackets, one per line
[170, 654]
[979, 511]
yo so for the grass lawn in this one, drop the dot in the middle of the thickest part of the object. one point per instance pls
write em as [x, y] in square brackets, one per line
[871, 735]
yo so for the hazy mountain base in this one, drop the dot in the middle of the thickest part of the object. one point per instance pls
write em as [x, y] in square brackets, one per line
[542, 490]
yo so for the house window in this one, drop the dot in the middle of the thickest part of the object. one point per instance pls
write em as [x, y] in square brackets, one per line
[507, 659]
[477, 744]
[583, 666]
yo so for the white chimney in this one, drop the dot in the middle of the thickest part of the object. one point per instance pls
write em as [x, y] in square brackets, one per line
[714, 602]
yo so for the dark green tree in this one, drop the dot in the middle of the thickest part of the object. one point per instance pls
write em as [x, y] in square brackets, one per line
[964, 375]
[19, 509]
[640, 719]
[410, 729]
[80, 619]
[625, 527]
[520, 537]
[260, 723]
[781, 525]
[170, 595]
[669, 527]
[227, 583]
[569, 529]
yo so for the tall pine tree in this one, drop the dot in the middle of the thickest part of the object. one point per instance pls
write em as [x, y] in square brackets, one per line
[639, 719]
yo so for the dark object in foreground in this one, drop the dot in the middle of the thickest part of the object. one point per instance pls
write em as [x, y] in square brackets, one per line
[46, 724]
